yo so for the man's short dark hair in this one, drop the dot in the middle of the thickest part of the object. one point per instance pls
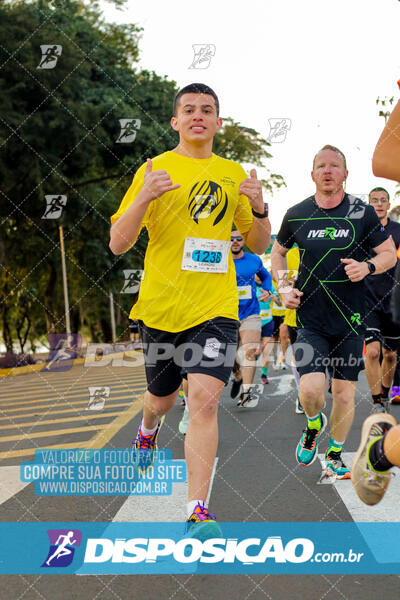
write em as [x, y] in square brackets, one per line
[379, 189]
[334, 149]
[195, 88]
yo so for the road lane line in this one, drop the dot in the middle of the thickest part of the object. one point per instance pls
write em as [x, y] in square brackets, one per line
[159, 508]
[55, 411]
[89, 414]
[10, 400]
[10, 483]
[28, 403]
[50, 433]
[388, 508]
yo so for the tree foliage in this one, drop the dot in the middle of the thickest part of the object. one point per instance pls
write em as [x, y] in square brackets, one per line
[58, 133]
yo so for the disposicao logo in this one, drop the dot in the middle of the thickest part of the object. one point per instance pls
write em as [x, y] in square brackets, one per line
[62, 547]
[188, 550]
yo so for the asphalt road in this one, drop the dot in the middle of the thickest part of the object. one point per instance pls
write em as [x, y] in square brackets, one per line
[256, 479]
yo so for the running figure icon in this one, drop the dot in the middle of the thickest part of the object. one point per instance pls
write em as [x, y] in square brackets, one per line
[62, 549]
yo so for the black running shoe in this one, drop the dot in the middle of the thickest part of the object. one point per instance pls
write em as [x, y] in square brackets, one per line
[235, 389]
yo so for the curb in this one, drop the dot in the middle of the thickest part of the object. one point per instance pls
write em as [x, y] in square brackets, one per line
[12, 371]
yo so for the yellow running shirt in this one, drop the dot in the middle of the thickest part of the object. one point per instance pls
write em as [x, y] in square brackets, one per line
[189, 281]
[292, 265]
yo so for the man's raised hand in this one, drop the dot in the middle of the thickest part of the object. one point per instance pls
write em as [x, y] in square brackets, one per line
[157, 183]
[252, 188]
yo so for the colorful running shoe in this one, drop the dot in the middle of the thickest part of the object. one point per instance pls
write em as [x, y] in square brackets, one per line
[146, 442]
[181, 397]
[306, 451]
[184, 422]
[370, 484]
[395, 395]
[202, 524]
[335, 466]
[264, 379]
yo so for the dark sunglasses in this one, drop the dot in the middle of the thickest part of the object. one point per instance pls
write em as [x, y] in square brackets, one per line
[236, 237]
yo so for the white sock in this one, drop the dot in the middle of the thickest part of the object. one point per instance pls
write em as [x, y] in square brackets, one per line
[192, 505]
[146, 431]
[186, 401]
[247, 387]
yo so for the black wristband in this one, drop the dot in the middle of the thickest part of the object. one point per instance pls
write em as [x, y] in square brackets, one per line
[371, 267]
[261, 215]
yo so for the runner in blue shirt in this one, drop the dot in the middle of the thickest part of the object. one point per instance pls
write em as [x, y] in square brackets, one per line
[267, 326]
[247, 266]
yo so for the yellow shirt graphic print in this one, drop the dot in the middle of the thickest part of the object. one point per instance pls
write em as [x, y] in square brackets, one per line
[173, 297]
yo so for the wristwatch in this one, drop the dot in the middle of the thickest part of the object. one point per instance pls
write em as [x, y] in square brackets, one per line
[371, 267]
[261, 215]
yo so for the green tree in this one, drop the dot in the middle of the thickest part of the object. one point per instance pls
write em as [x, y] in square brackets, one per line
[60, 134]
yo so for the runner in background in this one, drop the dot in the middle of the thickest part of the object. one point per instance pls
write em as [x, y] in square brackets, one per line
[382, 334]
[184, 422]
[379, 449]
[395, 391]
[133, 330]
[292, 264]
[267, 327]
[278, 314]
[247, 267]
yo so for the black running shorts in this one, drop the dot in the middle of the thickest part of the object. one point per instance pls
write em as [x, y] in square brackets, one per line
[277, 323]
[381, 328]
[292, 334]
[208, 348]
[342, 356]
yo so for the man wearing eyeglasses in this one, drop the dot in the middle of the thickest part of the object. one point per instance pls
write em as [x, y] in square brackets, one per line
[381, 331]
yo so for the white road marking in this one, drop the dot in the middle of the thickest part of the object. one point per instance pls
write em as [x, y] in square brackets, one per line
[10, 483]
[285, 384]
[388, 509]
[159, 508]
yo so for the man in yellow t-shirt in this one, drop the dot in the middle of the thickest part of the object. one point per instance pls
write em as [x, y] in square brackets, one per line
[187, 309]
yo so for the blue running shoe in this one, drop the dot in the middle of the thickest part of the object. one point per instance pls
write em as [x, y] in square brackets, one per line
[306, 451]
